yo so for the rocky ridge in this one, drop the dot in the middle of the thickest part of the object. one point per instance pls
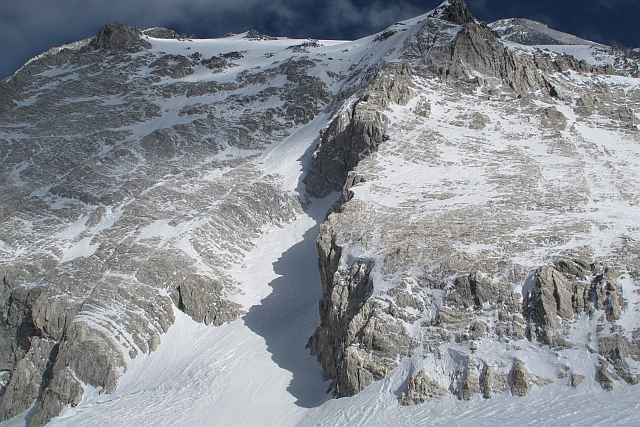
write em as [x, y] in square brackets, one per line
[408, 276]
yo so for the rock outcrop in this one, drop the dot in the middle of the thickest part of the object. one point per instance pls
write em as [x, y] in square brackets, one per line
[161, 33]
[562, 291]
[458, 12]
[357, 130]
[618, 351]
[120, 37]
[392, 273]
[519, 379]
[25, 382]
[351, 324]
[421, 388]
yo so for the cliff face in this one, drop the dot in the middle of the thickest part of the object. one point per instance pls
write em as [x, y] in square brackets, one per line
[465, 243]
[357, 130]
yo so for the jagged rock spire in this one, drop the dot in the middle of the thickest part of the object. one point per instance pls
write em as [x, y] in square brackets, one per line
[119, 37]
[458, 12]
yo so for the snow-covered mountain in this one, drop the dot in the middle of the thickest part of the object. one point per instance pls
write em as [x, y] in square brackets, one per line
[528, 32]
[473, 191]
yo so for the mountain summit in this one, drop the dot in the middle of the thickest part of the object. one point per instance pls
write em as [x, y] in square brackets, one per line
[241, 229]
[456, 11]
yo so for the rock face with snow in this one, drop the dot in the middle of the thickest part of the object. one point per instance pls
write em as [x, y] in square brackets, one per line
[484, 240]
[119, 37]
[358, 130]
[161, 33]
[129, 186]
[528, 32]
[483, 280]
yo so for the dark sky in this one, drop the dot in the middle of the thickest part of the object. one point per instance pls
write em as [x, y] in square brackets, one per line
[28, 27]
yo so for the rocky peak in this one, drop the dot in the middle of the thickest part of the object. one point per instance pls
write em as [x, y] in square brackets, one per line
[119, 37]
[455, 11]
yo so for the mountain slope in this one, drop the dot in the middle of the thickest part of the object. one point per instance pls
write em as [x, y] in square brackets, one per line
[528, 32]
[484, 241]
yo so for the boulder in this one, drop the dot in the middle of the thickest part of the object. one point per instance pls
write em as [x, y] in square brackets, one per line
[551, 118]
[421, 388]
[519, 379]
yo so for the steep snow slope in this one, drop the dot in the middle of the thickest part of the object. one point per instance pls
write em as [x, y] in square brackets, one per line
[528, 32]
[530, 35]
[250, 372]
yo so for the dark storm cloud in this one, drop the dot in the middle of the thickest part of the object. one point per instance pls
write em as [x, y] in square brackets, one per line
[28, 27]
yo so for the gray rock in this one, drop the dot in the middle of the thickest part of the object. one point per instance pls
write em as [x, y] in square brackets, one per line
[257, 35]
[174, 66]
[553, 119]
[201, 299]
[617, 350]
[475, 289]
[469, 381]
[423, 108]
[63, 390]
[576, 379]
[457, 12]
[161, 33]
[120, 37]
[519, 379]
[574, 267]
[132, 162]
[143, 204]
[216, 63]
[528, 32]
[26, 379]
[476, 51]
[587, 104]
[356, 133]
[626, 116]
[604, 377]
[550, 298]
[478, 121]
[478, 329]
[421, 388]
[351, 325]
